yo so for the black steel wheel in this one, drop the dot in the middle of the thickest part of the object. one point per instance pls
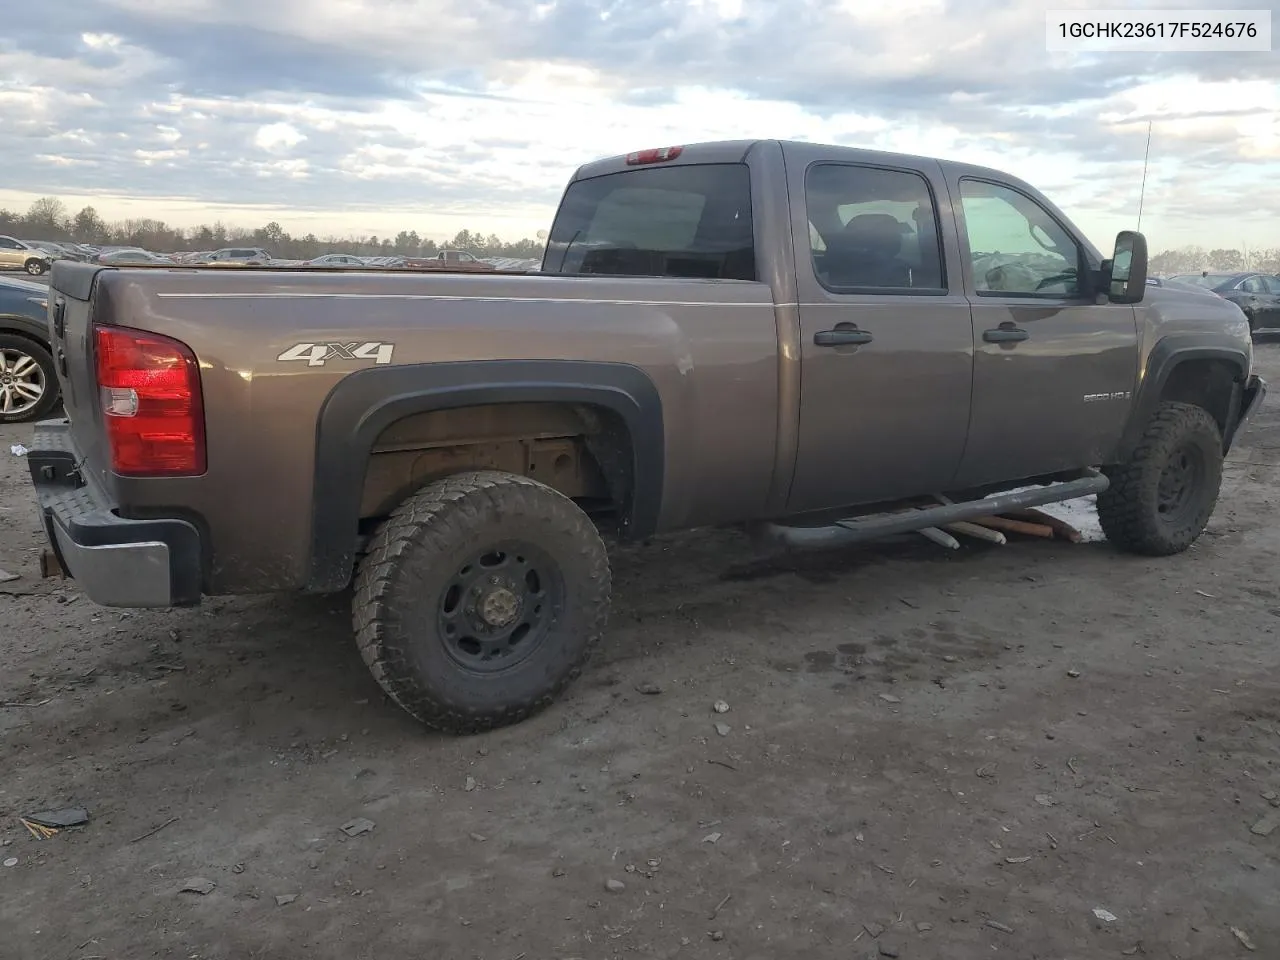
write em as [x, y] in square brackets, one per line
[500, 607]
[1181, 482]
[1160, 501]
[480, 600]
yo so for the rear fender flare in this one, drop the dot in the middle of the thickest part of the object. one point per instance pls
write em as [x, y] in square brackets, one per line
[365, 403]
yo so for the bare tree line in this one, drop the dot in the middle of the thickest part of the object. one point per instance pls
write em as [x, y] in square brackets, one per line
[49, 219]
[1195, 259]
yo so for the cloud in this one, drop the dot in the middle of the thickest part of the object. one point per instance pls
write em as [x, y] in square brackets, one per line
[278, 137]
[390, 113]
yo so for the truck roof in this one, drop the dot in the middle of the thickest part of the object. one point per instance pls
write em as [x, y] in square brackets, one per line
[807, 152]
[735, 151]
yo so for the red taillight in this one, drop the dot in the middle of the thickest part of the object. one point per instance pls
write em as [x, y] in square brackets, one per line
[653, 156]
[151, 403]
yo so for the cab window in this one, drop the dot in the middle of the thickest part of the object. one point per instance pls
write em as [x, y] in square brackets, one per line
[873, 230]
[1016, 247]
[690, 220]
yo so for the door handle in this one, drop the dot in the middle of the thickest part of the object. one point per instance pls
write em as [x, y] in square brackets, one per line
[842, 337]
[1005, 333]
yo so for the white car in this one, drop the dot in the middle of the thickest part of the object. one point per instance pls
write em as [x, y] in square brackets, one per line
[336, 260]
[239, 255]
[132, 256]
[20, 255]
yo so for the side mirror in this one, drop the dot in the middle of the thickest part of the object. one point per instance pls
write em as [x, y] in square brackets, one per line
[1128, 274]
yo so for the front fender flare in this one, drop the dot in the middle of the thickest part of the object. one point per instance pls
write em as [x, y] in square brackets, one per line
[365, 403]
[1167, 355]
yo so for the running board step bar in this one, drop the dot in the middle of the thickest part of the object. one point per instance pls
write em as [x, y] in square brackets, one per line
[877, 525]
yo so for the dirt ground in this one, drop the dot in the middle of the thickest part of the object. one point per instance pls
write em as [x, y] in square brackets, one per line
[912, 766]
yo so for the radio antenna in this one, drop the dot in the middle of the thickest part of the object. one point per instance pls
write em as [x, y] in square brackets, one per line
[1146, 157]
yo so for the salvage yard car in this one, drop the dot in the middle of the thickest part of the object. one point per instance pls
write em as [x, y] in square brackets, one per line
[28, 380]
[783, 335]
[1257, 294]
[18, 254]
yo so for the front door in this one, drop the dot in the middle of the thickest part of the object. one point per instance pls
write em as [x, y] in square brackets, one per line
[886, 344]
[1054, 370]
[1260, 296]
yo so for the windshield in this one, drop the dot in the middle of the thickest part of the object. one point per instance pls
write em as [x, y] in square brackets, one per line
[682, 221]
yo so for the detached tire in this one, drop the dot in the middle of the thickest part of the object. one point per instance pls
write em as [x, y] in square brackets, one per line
[1160, 502]
[480, 600]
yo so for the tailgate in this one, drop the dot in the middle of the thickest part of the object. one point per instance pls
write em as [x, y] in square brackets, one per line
[71, 306]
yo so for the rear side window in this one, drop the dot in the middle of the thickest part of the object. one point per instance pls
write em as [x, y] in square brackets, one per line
[873, 230]
[684, 221]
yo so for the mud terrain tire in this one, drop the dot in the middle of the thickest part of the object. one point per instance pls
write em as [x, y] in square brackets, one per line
[480, 600]
[1160, 502]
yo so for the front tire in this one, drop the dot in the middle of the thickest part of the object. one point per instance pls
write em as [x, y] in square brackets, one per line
[480, 600]
[1160, 502]
[34, 267]
[28, 380]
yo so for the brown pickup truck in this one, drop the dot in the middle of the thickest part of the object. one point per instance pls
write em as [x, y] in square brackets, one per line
[825, 344]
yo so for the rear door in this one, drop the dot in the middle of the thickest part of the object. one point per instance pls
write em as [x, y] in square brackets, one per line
[1053, 369]
[886, 344]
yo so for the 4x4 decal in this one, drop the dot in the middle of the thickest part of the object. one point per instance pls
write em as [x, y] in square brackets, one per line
[318, 354]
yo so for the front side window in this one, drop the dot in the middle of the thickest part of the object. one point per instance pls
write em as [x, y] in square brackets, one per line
[7, 244]
[1016, 248]
[873, 230]
[683, 221]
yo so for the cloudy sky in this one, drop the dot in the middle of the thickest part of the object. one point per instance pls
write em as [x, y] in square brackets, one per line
[371, 116]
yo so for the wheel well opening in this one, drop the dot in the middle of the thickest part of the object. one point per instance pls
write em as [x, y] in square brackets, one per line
[583, 451]
[1209, 384]
[23, 335]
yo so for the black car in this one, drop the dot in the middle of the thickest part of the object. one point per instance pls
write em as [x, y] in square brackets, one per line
[1182, 285]
[1257, 294]
[28, 380]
